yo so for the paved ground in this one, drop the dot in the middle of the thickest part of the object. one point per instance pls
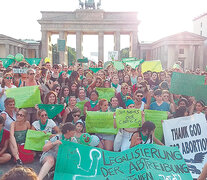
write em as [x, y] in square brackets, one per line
[35, 165]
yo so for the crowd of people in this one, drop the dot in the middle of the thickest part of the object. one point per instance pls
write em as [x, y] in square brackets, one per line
[60, 84]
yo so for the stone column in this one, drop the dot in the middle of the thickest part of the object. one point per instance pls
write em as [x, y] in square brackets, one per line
[133, 44]
[37, 53]
[63, 54]
[101, 46]
[201, 57]
[117, 43]
[79, 48]
[191, 59]
[6, 50]
[176, 53]
[45, 44]
[16, 50]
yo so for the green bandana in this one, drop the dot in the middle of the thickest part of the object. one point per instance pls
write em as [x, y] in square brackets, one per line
[1, 134]
[124, 98]
[114, 85]
[67, 100]
[93, 103]
[144, 138]
[64, 139]
[113, 109]
[43, 126]
[81, 77]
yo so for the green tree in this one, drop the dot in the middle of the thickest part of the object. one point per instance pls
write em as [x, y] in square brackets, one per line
[124, 53]
[70, 51]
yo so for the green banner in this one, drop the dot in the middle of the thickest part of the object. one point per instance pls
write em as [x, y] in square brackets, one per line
[142, 162]
[134, 64]
[80, 105]
[25, 97]
[106, 93]
[100, 122]
[95, 70]
[7, 62]
[35, 140]
[32, 61]
[128, 118]
[129, 59]
[51, 109]
[69, 72]
[156, 117]
[189, 85]
[118, 65]
[61, 45]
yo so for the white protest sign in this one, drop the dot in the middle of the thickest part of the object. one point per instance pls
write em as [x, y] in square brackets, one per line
[190, 135]
[20, 71]
[113, 55]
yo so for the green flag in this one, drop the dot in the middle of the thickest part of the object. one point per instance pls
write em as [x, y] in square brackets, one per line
[95, 70]
[25, 97]
[7, 62]
[128, 118]
[129, 59]
[106, 93]
[51, 109]
[156, 117]
[142, 162]
[134, 64]
[189, 85]
[32, 61]
[118, 65]
[85, 60]
[69, 72]
[100, 122]
[80, 105]
[35, 140]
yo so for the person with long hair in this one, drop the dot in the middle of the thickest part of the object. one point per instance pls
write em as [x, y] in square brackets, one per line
[127, 79]
[57, 89]
[64, 96]
[82, 95]
[144, 135]
[115, 83]
[4, 143]
[9, 114]
[106, 140]
[18, 133]
[63, 79]
[6, 84]
[73, 89]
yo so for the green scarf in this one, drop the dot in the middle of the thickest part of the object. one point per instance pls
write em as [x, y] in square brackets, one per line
[144, 138]
[43, 126]
[81, 77]
[113, 109]
[114, 85]
[85, 87]
[66, 100]
[124, 98]
[93, 103]
[1, 134]
[64, 139]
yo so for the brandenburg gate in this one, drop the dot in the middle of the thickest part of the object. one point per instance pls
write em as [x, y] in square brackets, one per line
[88, 21]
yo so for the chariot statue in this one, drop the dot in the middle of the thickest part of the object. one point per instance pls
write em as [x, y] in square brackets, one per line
[89, 4]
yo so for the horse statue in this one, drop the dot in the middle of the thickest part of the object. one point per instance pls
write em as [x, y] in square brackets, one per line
[81, 4]
[98, 4]
[90, 4]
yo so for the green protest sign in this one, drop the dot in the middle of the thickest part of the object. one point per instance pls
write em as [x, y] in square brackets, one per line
[61, 45]
[51, 109]
[7, 62]
[100, 122]
[32, 61]
[106, 93]
[80, 105]
[156, 117]
[128, 118]
[142, 162]
[25, 97]
[129, 59]
[118, 65]
[85, 60]
[95, 70]
[189, 85]
[35, 140]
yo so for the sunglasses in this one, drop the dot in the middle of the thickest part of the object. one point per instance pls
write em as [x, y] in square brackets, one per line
[21, 115]
[76, 115]
[8, 77]
[31, 73]
[44, 115]
[139, 95]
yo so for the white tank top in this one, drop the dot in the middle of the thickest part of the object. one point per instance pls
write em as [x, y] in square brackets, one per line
[9, 120]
